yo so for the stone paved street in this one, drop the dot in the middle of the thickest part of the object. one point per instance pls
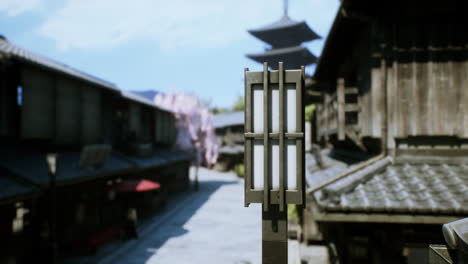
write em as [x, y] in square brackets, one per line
[213, 227]
[208, 226]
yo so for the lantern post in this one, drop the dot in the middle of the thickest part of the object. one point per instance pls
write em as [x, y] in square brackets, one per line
[51, 159]
[274, 152]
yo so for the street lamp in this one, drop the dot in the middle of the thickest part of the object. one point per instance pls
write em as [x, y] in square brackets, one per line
[274, 151]
[51, 159]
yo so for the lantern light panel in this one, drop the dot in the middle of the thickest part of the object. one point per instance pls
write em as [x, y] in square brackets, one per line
[280, 112]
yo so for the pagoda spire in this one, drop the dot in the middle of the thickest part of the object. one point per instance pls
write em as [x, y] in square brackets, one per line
[285, 7]
[285, 37]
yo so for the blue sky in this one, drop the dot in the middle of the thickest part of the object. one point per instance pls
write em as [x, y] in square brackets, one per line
[195, 46]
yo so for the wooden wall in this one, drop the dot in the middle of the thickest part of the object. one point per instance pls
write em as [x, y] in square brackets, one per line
[38, 110]
[159, 127]
[423, 69]
[71, 113]
[59, 109]
[67, 111]
[135, 119]
[9, 107]
[165, 131]
[428, 99]
[91, 115]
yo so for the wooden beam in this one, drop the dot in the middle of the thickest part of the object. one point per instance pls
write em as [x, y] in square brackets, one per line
[383, 218]
[328, 132]
[351, 90]
[341, 108]
[352, 108]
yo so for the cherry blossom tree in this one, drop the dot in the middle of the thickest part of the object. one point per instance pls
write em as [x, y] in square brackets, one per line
[194, 125]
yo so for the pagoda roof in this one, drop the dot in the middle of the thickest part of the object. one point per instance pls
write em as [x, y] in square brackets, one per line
[285, 32]
[293, 57]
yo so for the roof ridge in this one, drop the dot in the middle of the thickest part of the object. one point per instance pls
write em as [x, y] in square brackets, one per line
[353, 180]
[28, 56]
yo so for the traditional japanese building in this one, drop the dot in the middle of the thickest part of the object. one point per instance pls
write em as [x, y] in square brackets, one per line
[103, 137]
[229, 129]
[285, 37]
[393, 81]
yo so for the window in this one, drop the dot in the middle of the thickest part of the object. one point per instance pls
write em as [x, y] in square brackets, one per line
[19, 97]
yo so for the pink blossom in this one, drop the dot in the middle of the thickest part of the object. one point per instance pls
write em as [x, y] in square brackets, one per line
[194, 125]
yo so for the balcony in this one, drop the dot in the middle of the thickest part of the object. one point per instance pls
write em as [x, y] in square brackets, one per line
[337, 115]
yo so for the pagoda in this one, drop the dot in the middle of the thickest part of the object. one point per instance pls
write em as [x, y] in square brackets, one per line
[285, 37]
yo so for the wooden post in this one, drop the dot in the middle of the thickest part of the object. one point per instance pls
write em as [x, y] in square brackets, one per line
[274, 235]
[326, 127]
[52, 164]
[4, 124]
[341, 108]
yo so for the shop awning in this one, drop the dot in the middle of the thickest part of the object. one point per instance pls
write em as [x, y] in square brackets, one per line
[136, 185]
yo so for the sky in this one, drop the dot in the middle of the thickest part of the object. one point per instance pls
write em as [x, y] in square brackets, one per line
[195, 46]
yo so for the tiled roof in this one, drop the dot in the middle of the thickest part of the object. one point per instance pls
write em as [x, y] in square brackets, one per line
[284, 22]
[68, 171]
[148, 94]
[403, 187]
[160, 157]
[67, 166]
[292, 56]
[143, 100]
[228, 119]
[14, 188]
[285, 32]
[315, 175]
[232, 150]
[11, 50]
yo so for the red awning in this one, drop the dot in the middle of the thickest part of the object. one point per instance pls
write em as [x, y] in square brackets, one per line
[136, 185]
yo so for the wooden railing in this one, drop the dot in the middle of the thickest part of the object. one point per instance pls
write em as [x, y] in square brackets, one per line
[331, 115]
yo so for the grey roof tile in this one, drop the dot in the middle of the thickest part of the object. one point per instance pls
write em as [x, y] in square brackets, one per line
[12, 187]
[10, 50]
[315, 175]
[31, 166]
[23, 172]
[231, 150]
[415, 188]
[143, 100]
[228, 119]
[160, 157]
[285, 32]
[356, 178]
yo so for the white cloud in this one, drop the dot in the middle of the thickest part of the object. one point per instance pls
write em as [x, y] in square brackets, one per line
[16, 7]
[86, 24]
[98, 24]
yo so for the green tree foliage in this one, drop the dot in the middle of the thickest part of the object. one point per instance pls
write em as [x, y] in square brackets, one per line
[293, 215]
[216, 110]
[239, 170]
[239, 105]
[309, 109]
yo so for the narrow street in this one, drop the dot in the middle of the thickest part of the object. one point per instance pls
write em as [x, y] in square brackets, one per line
[208, 226]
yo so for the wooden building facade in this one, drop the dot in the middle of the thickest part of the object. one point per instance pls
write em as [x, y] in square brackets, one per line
[102, 135]
[401, 74]
[393, 83]
[229, 128]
